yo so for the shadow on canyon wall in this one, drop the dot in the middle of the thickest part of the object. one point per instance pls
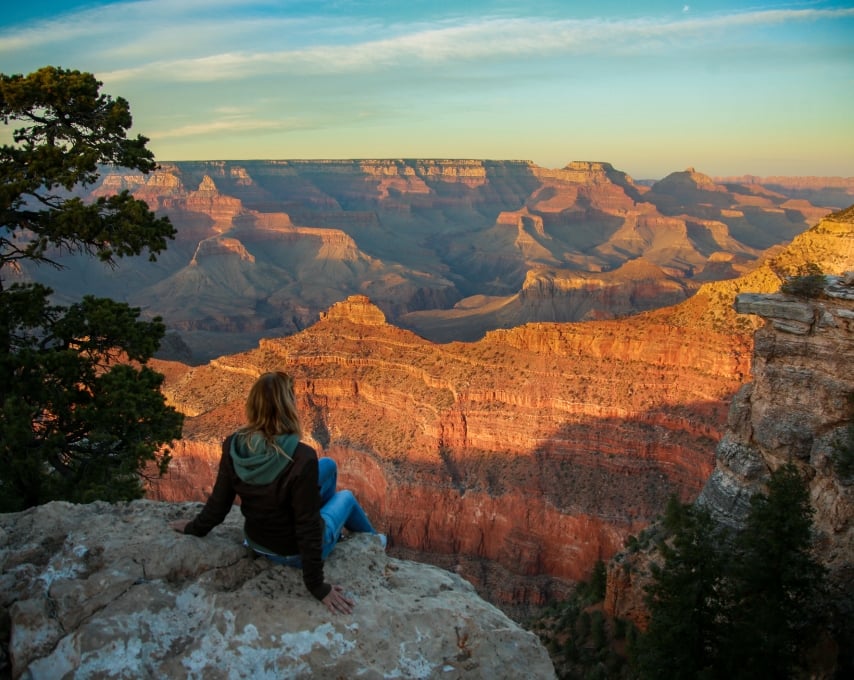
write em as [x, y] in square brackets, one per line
[522, 526]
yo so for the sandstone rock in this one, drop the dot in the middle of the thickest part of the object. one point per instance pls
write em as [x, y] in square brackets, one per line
[796, 411]
[355, 309]
[521, 459]
[417, 236]
[110, 591]
[518, 460]
[776, 306]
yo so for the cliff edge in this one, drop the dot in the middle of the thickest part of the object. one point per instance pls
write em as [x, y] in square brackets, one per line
[797, 409]
[110, 591]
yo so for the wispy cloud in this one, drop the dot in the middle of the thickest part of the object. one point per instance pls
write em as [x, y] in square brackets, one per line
[491, 39]
[185, 41]
[232, 125]
[213, 77]
[141, 29]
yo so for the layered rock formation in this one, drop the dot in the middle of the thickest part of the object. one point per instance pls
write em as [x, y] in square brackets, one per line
[797, 409]
[517, 460]
[109, 591]
[574, 250]
[448, 248]
[837, 191]
[530, 454]
[558, 295]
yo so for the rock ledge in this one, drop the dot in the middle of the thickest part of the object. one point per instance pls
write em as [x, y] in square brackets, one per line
[109, 591]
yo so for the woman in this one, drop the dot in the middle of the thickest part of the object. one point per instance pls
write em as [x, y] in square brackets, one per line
[292, 512]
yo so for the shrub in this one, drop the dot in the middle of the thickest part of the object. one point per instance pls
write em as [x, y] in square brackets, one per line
[809, 282]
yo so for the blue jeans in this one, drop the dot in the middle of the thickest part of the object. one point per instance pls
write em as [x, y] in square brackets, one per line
[339, 510]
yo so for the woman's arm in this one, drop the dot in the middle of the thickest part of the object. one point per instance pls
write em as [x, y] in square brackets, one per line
[305, 501]
[219, 502]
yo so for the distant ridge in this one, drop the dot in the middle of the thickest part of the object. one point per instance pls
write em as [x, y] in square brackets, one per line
[450, 248]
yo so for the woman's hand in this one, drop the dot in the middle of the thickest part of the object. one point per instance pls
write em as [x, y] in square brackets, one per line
[337, 602]
[178, 525]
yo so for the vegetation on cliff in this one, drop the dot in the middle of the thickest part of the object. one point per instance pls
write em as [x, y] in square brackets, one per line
[809, 281]
[843, 456]
[78, 422]
[742, 606]
[722, 604]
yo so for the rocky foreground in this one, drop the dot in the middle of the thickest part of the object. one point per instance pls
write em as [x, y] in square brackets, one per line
[109, 591]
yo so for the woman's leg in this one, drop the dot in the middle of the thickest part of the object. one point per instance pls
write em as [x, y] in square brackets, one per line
[327, 478]
[342, 512]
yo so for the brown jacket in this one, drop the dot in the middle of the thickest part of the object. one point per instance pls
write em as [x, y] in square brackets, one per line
[282, 516]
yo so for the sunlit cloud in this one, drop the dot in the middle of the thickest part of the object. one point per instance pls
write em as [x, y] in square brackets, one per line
[231, 125]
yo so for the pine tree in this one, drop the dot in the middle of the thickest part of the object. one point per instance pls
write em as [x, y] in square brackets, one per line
[777, 584]
[685, 600]
[744, 606]
[79, 421]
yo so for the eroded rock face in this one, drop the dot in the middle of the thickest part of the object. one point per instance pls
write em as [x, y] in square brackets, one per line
[110, 591]
[449, 248]
[796, 410]
[518, 461]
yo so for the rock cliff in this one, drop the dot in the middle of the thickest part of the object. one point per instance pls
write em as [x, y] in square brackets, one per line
[519, 460]
[796, 409]
[109, 591]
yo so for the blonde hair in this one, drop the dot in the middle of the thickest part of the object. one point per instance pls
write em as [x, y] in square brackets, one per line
[271, 409]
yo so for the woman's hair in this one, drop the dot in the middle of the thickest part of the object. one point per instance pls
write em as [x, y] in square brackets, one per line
[271, 407]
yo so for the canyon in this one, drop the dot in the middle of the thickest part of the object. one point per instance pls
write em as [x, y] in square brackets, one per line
[520, 459]
[449, 249]
[515, 367]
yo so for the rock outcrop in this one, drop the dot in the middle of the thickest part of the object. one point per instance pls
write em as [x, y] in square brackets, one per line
[109, 591]
[797, 409]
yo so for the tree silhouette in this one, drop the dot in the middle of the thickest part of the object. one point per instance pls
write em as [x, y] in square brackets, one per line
[82, 415]
[685, 600]
[777, 584]
[735, 606]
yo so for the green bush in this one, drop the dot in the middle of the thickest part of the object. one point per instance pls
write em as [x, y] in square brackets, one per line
[809, 282]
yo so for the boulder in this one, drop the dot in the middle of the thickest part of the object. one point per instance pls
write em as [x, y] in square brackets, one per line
[110, 591]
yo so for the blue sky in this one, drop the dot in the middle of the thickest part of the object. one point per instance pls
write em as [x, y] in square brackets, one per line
[652, 87]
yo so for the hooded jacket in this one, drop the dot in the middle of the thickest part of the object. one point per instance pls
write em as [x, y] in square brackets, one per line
[279, 499]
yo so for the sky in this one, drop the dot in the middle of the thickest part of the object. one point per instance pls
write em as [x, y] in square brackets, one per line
[652, 87]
